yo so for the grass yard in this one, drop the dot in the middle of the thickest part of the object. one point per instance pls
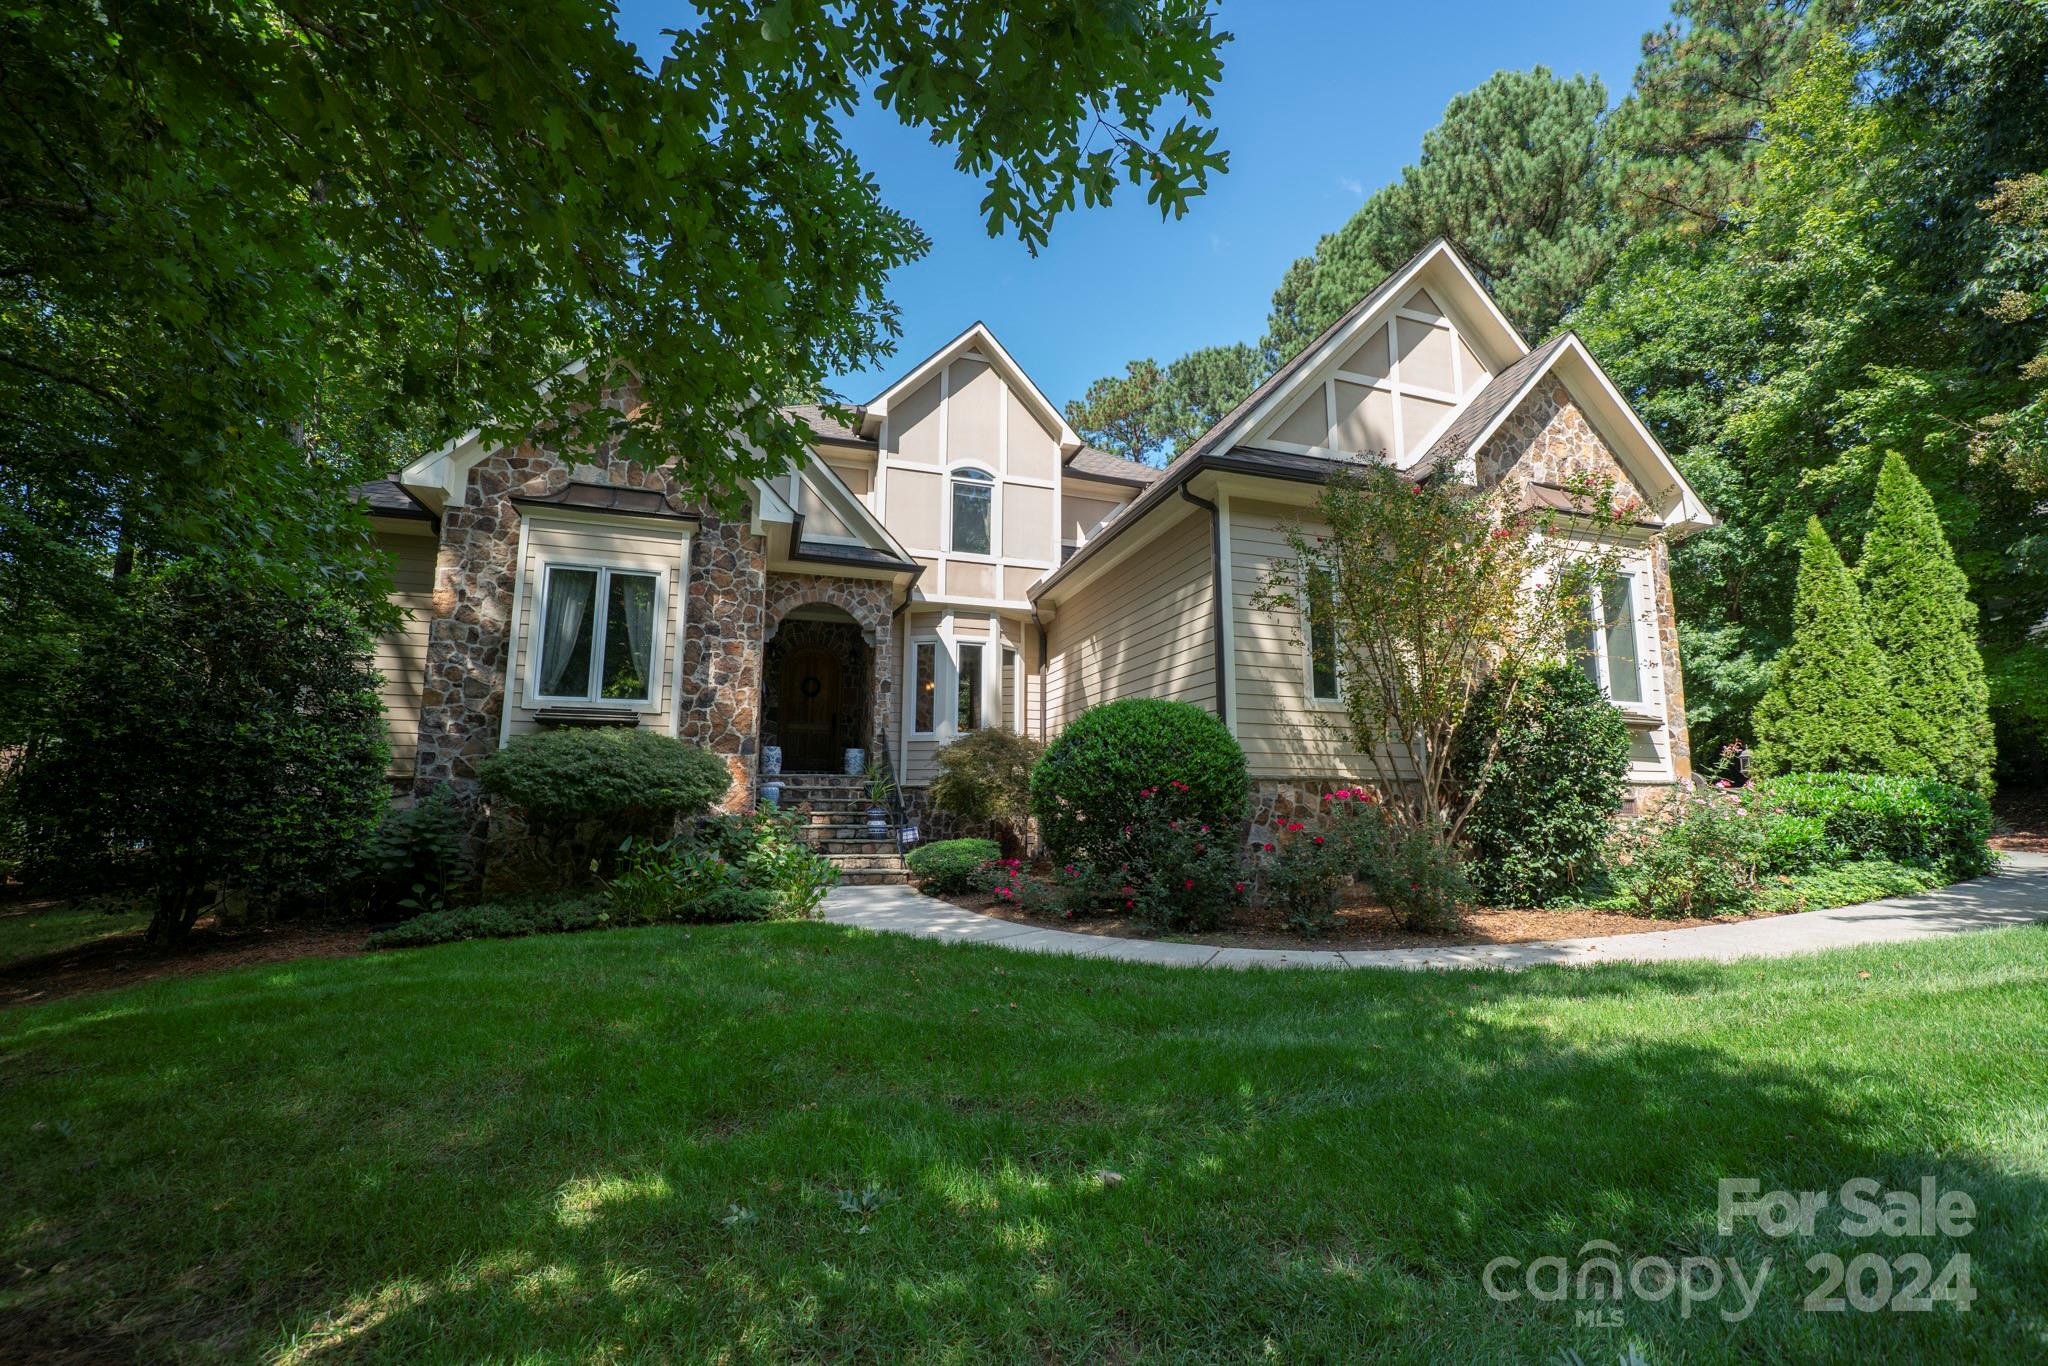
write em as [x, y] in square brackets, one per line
[30, 929]
[798, 1141]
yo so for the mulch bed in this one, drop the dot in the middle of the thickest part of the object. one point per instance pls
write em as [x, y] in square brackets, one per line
[125, 959]
[1361, 924]
[2022, 823]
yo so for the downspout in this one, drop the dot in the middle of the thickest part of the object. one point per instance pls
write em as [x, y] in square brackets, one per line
[1215, 596]
[1039, 622]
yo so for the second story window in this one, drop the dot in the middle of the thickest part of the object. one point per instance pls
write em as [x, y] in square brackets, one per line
[973, 494]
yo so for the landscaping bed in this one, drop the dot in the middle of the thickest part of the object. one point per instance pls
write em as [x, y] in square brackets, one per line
[1359, 924]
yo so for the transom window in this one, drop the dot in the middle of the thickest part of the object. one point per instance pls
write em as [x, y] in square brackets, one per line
[597, 633]
[1608, 648]
[974, 494]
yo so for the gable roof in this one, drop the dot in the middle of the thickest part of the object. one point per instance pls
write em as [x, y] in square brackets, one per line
[1634, 446]
[1235, 425]
[824, 427]
[977, 337]
[1491, 404]
[1090, 463]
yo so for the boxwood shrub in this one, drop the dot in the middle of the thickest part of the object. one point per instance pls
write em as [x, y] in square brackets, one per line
[1094, 779]
[610, 772]
[1864, 816]
[582, 790]
[949, 867]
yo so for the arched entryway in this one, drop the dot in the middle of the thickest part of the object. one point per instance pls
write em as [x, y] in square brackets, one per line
[815, 695]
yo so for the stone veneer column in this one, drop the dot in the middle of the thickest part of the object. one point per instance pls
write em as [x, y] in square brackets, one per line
[722, 645]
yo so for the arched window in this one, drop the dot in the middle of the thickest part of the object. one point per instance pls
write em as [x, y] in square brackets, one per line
[974, 493]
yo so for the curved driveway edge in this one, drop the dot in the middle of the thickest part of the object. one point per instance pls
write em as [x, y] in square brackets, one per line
[2017, 894]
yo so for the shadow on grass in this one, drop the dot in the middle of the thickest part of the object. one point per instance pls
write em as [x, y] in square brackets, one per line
[799, 1141]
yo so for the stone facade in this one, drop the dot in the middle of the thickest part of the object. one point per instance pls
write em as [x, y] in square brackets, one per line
[871, 604]
[469, 639]
[1278, 801]
[1549, 441]
[722, 639]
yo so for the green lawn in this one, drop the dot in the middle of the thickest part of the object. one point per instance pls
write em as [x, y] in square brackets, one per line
[799, 1141]
[32, 930]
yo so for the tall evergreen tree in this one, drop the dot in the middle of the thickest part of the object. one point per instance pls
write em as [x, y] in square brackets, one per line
[1828, 709]
[1922, 619]
[1512, 174]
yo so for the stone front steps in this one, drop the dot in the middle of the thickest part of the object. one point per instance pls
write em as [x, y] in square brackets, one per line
[839, 828]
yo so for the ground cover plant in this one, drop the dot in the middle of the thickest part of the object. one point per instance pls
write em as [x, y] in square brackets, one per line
[660, 1143]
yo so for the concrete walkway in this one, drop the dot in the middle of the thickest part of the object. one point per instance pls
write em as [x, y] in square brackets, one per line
[2017, 894]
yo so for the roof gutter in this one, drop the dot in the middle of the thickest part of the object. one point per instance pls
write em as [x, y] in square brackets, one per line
[1215, 597]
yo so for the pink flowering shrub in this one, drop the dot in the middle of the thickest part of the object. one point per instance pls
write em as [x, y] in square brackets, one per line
[1175, 871]
[1302, 870]
[1413, 872]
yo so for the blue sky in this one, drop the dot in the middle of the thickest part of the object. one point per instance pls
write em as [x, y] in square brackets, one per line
[1118, 283]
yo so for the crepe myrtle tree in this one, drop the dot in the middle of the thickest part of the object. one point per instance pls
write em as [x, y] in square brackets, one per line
[1411, 595]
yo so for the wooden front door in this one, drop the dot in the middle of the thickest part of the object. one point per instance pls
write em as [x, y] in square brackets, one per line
[810, 709]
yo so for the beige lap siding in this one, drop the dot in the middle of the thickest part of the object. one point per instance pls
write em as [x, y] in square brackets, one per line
[1146, 628]
[1284, 732]
[639, 546]
[401, 653]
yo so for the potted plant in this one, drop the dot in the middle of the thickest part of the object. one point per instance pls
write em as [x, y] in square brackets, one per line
[881, 786]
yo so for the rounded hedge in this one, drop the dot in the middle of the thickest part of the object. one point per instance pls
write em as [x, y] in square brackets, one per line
[1877, 816]
[1088, 785]
[950, 867]
[567, 776]
[1553, 783]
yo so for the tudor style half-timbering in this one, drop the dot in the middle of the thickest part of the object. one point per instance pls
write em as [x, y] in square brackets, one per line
[951, 556]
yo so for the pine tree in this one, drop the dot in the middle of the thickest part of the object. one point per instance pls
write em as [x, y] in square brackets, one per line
[1512, 175]
[1922, 619]
[1829, 705]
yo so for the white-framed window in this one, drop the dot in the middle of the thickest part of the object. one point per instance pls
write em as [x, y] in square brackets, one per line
[1013, 673]
[1320, 636]
[1609, 648]
[598, 635]
[924, 687]
[972, 495]
[969, 710]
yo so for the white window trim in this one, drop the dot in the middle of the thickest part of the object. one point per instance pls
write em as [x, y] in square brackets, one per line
[1597, 614]
[995, 513]
[604, 570]
[1308, 661]
[1016, 654]
[938, 687]
[981, 644]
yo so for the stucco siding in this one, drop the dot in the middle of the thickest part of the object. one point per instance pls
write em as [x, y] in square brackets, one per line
[1144, 629]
